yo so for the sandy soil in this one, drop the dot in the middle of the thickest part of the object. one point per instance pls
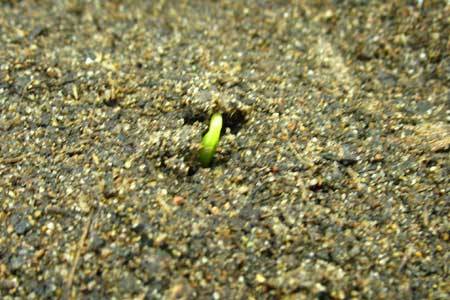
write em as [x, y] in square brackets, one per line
[331, 179]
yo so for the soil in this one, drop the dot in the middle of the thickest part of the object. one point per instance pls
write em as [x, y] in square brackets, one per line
[331, 180]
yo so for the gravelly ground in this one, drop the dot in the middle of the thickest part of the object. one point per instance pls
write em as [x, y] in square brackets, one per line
[332, 176]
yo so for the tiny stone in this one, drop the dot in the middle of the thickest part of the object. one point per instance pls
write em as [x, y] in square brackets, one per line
[260, 278]
[22, 227]
[178, 200]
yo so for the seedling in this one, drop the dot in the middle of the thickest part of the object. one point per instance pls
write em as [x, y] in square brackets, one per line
[210, 140]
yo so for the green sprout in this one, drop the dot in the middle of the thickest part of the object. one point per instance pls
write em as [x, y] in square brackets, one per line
[210, 140]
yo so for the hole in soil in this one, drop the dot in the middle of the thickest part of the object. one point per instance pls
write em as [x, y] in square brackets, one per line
[234, 120]
[190, 117]
[111, 102]
[192, 170]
